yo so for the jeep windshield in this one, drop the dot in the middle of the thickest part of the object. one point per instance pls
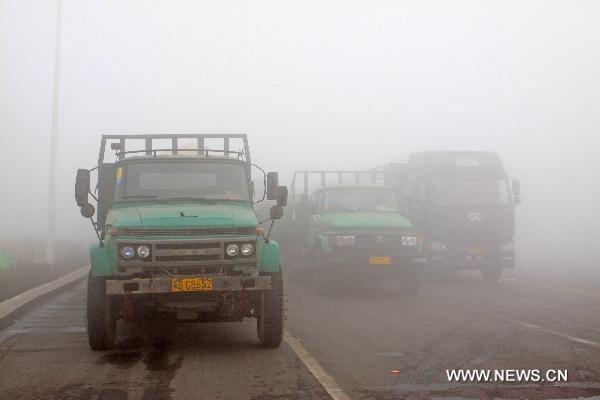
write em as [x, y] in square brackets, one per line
[358, 199]
[465, 192]
[178, 181]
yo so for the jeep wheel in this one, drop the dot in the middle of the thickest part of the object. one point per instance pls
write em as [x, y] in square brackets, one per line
[271, 314]
[101, 319]
[491, 275]
[411, 281]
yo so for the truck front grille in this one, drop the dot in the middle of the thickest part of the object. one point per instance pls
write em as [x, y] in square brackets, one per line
[377, 243]
[186, 253]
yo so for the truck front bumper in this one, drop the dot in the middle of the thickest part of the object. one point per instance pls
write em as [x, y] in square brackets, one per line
[165, 284]
[466, 263]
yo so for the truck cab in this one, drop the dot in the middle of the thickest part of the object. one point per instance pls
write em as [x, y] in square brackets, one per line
[178, 238]
[348, 234]
[464, 205]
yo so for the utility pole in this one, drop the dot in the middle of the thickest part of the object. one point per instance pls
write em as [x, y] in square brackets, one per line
[50, 238]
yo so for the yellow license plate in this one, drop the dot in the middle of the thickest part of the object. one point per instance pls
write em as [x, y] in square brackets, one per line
[191, 284]
[474, 250]
[380, 260]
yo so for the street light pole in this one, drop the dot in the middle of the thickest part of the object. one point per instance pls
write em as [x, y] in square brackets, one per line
[50, 238]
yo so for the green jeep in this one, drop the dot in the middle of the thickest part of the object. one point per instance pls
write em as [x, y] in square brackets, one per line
[178, 238]
[349, 233]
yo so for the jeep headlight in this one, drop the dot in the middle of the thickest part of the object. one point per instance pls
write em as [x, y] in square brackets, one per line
[347, 240]
[410, 241]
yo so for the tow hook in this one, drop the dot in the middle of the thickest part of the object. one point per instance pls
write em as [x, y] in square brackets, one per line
[128, 306]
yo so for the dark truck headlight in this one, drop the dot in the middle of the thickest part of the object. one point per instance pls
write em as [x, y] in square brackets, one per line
[438, 246]
[345, 240]
[510, 246]
[410, 241]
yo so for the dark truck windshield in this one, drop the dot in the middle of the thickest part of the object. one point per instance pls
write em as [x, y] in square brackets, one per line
[181, 180]
[358, 199]
[471, 192]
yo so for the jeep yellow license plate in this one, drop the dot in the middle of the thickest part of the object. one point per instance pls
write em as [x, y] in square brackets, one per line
[380, 260]
[191, 284]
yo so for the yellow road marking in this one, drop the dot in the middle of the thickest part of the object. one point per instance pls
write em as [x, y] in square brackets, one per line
[313, 366]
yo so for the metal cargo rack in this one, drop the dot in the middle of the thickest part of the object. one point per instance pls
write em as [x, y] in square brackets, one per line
[340, 177]
[121, 145]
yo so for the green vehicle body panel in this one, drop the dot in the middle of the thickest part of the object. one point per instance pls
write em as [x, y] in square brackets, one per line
[168, 215]
[268, 255]
[103, 259]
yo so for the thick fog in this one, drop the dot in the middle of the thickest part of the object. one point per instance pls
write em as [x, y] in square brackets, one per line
[337, 84]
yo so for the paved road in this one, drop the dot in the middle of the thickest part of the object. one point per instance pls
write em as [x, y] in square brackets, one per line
[383, 345]
[45, 355]
[376, 344]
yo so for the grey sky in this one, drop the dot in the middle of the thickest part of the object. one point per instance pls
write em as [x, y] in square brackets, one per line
[337, 84]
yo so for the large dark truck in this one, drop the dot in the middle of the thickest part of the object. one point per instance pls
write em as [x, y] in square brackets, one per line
[178, 239]
[349, 233]
[464, 205]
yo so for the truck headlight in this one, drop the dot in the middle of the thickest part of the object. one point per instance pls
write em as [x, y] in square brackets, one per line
[232, 250]
[247, 249]
[127, 252]
[510, 246]
[143, 251]
[347, 240]
[410, 241]
[438, 246]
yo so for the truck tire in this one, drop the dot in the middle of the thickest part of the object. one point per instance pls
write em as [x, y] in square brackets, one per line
[491, 275]
[271, 317]
[101, 318]
[411, 281]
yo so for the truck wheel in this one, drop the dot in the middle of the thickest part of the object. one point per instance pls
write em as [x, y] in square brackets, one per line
[101, 319]
[411, 281]
[491, 275]
[271, 315]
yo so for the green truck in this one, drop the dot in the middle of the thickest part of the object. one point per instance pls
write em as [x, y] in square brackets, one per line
[349, 233]
[178, 238]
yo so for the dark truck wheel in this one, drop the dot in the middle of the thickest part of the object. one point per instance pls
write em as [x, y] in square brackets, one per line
[491, 275]
[271, 315]
[101, 319]
[411, 281]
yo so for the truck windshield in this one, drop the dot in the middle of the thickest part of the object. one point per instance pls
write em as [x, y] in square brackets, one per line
[179, 180]
[359, 199]
[471, 192]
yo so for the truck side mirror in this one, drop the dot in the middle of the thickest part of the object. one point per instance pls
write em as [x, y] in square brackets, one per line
[282, 195]
[516, 190]
[272, 185]
[276, 212]
[87, 210]
[82, 187]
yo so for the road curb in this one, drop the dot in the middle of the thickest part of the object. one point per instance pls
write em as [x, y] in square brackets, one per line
[9, 308]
